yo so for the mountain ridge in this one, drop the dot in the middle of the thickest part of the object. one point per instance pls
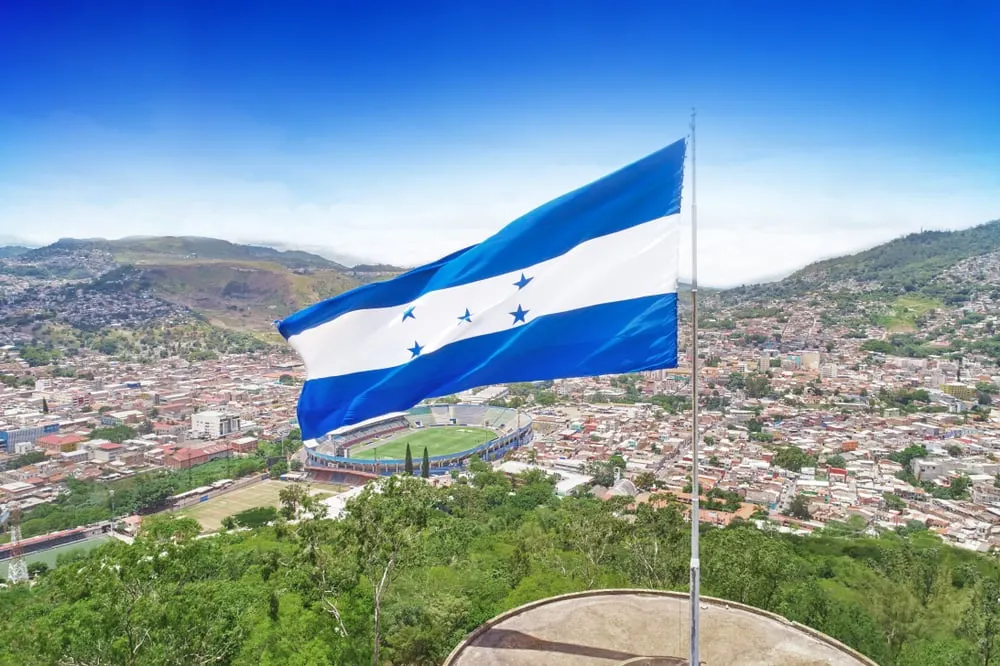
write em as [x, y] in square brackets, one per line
[918, 262]
[141, 249]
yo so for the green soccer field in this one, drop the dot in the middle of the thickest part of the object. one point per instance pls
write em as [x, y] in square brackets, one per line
[439, 441]
[264, 493]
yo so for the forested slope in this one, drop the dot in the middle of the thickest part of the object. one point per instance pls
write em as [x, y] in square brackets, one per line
[302, 593]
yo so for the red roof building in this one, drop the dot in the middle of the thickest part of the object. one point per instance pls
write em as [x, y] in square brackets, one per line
[60, 443]
[184, 458]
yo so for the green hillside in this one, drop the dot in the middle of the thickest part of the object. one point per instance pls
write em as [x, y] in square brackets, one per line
[448, 559]
[908, 262]
[914, 264]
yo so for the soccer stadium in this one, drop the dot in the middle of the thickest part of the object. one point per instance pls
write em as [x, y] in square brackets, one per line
[452, 435]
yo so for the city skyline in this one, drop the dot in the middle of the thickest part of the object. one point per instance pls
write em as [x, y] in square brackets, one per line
[389, 134]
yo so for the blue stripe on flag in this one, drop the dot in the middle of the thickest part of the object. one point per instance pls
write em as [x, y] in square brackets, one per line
[642, 191]
[623, 336]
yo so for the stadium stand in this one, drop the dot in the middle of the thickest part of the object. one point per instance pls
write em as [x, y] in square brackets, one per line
[330, 459]
[366, 431]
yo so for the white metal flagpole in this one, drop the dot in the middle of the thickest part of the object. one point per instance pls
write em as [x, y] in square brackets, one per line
[695, 486]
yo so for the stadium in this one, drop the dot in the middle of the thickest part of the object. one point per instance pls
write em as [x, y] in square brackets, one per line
[452, 435]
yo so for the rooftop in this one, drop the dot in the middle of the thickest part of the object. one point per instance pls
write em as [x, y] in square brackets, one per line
[611, 627]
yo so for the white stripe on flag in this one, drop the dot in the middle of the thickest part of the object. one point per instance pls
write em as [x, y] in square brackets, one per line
[636, 262]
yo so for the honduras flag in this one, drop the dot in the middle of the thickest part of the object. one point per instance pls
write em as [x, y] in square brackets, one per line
[584, 285]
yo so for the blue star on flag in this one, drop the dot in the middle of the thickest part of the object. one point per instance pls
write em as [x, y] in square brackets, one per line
[523, 282]
[519, 314]
[467, 317]
[415, 349]
[409, 313]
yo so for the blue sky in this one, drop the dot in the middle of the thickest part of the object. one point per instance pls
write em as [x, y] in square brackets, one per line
[399, 131]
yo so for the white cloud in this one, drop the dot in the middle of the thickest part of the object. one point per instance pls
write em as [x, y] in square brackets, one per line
[758, 217]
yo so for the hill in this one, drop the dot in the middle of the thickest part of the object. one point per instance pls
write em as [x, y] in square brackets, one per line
[8, 251]
[908, 262]
[157, 249]
[943, 265]
[242, 294]
[228, 284]
[301, 592]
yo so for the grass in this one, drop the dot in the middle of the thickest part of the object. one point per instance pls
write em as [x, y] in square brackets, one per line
[211, 513]
[265, 493]
[439, 441]
[905, 310]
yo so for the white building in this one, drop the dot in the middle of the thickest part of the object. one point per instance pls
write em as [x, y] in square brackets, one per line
[211, 424]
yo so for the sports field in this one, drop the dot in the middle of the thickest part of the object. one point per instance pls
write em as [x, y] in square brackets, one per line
[265, 493]
[439, 441]
[51, 555]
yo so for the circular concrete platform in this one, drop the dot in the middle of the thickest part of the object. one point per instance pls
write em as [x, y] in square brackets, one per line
[615, 627]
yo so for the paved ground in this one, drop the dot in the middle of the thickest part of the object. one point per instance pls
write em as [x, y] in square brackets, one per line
[439, 441]
[608, 629]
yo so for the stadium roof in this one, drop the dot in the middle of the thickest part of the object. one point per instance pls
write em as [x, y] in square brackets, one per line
[343, 430]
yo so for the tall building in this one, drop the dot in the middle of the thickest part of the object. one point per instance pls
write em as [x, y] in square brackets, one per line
[211, 424]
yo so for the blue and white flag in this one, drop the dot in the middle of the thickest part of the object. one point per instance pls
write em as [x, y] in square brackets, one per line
[584, 285]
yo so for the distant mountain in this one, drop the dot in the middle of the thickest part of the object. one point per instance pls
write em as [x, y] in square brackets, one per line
[237, 294]
[238, 286]
[947, 265]
[8, 251]
[142, 250]
[908, 261]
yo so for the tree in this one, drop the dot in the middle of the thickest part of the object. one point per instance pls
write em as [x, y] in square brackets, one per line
[799, 508]
[758, 385]
[894, 502]
[164, 527]
[602, 471]
[982, 618]
[954, 450]
[736, 381]
[645, 480]
[408, 463]
[959, 487]
[425, 465]
[292, 497]
[793, 459]
[116, 434]
[45, 406]
[278, 469]
[836, 460]
[36, 569]
[296, 465]
[383, 524]
[257, 516]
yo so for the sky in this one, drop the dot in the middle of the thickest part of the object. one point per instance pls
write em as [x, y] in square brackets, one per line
[400, 131]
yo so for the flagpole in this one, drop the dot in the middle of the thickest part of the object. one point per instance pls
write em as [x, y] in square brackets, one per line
[695, 486]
